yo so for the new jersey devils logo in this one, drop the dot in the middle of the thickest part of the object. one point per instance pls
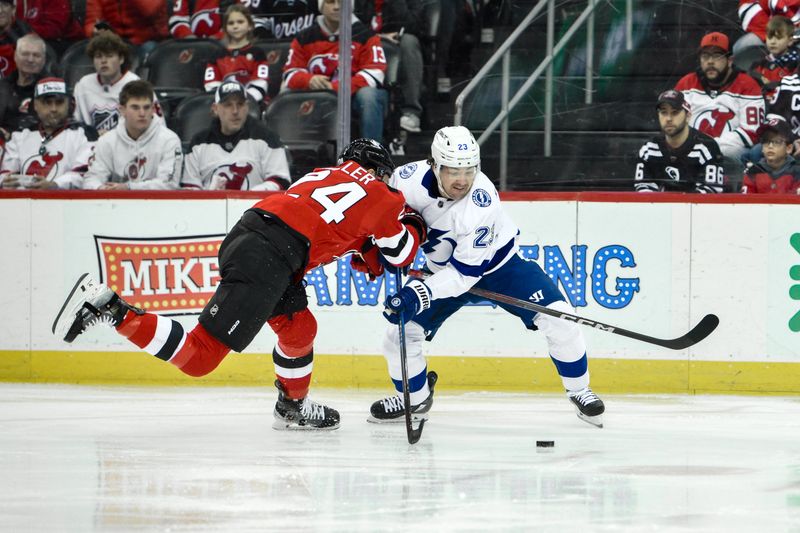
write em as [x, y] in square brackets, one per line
[325, 64]
[135, 168]
[206, 22]
[714, 122]
[232, 177]
[45, 166]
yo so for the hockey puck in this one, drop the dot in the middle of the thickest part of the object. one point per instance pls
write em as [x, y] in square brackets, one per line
[545, 443]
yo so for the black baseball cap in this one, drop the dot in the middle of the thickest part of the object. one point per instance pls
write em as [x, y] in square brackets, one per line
[229, 89]
[674, 98]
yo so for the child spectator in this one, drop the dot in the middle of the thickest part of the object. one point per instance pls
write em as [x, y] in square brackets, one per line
[782, 59]
[777, 172]
[244, 63]
[97, 95]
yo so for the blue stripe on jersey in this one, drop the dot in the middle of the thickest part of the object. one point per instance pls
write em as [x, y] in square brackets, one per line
[476, 271]
[429, 182]
[414, 384]
[574, 369]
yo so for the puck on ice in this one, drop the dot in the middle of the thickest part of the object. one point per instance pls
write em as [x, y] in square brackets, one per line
[545, 443]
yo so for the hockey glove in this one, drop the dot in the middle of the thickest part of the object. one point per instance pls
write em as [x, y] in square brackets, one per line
[410, 300]
[412, 220]
[369, 261]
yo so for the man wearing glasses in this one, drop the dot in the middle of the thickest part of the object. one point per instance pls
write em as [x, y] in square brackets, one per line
[726, 103]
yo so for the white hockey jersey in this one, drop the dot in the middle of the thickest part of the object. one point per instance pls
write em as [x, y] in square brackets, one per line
[731, 114]
[153, 161]
[252, 159]
[62, 157]
[467, 238]
[97, 104]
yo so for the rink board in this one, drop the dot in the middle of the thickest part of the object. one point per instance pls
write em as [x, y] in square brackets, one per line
[654, 264]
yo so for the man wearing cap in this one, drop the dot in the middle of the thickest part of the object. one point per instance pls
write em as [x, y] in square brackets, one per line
[681, 159]
[54, 153]
[140, 153]
[236, 151]
[314, 65]
[726, 103]
[777, 172]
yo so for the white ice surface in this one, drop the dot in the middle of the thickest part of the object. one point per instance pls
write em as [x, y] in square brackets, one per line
[85, 459]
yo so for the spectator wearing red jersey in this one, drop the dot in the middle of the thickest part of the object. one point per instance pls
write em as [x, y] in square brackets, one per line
[782, 58]
[726, 103]
[314, 64]
[754, 16]
[11, 30]
[777, 172]
[200, 18]
[51, 19]
[136, 21]
[244, 63]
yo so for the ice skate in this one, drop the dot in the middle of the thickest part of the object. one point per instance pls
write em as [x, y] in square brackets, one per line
[302, 414]
[588, 406]
[89, 304]
[390, 410]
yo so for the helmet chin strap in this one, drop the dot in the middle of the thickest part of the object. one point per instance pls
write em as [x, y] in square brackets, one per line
[436, 169]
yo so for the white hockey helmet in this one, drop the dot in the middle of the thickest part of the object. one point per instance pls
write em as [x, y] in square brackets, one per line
[454, 147]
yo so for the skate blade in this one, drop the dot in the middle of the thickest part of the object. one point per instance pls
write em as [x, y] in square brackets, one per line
[596, 421]
[66, 315]
[282, 425]
[399, 420]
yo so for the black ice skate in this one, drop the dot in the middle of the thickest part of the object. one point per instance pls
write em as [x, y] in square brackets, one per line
[302, 414]
[588, 406]
[89, 304]
[390, 410]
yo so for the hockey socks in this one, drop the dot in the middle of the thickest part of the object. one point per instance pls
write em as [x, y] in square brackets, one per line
[293, 355]
[196, 353]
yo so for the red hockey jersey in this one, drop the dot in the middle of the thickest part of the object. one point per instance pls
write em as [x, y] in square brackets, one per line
[316, 51]
[248, 65]
[202, 19]
[339, 209]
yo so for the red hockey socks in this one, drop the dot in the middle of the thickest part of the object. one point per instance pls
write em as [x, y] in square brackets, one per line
[293, 355]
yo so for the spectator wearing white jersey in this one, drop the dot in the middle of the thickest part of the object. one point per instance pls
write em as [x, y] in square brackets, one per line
[726, 103]
[141, 153]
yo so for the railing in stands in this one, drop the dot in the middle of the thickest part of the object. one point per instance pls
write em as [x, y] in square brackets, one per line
[504, 53]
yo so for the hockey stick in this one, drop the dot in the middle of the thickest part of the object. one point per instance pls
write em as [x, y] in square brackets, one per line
[413, 434]
[703, 329]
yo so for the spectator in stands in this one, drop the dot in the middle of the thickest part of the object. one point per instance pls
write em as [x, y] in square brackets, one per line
[53, 154]
[754, 16]
[237, 152]
[52, 20]
[680, 159]
[314, 65]
[280, 19]
[202, 18]
[782, 58]
[777, 172]
[11, 30]
[97, 95]
[141, 22]
[244, 62]
[16, 91]
[139, 154]
[726, 103]
[399, 25]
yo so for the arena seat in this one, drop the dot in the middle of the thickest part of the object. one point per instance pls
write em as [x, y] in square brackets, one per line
[175, 67]
[277, 53]
[306, 122]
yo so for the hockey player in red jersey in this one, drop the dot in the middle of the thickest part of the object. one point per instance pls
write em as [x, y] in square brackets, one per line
[243, 62]
[326, 214]
[726, 103]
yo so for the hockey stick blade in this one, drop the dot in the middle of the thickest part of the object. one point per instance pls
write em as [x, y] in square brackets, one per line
[703, 329]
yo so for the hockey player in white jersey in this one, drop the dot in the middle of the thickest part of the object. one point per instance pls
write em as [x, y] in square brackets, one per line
[471, 242]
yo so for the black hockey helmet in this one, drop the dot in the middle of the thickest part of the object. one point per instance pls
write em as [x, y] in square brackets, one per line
[369, 153]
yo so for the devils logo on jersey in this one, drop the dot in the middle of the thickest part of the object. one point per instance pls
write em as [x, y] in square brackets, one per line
[206, 23]
[45, 166]
[135, 168]
[233, 177]
[715, 121]
[325, 64]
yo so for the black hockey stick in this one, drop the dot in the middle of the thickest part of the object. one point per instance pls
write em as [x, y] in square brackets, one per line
[413, 434]
[702, 330]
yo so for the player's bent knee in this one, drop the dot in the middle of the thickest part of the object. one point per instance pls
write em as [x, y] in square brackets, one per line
[200, 354]
[296, 334]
